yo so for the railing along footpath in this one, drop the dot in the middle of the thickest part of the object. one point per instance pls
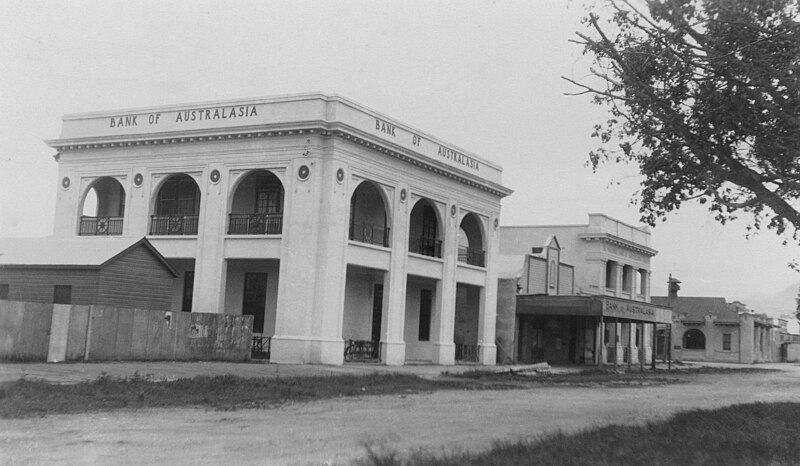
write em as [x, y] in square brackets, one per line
[260, 347]
[362, 350]
[466, 353]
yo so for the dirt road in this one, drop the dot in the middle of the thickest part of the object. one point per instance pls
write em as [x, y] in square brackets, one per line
[334, 431]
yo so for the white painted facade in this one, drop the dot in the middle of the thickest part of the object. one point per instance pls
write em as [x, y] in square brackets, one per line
[320, 201]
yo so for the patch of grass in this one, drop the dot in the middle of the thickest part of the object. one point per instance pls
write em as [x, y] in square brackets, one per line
[595, 377]
[26, 398]
[748, 434]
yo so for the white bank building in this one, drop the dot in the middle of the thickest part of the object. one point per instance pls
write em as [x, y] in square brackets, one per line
[346, 234]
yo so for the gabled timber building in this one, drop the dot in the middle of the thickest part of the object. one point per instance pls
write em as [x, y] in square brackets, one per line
[343, 232]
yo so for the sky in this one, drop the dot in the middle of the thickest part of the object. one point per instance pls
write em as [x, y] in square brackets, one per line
[483, 75]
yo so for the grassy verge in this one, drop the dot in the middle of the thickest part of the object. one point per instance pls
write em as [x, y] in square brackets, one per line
[749, 434]
[599, 377]
[26, 398]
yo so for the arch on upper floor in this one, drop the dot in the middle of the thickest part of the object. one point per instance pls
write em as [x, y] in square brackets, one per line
[370, 218]
[102, 208]
[176, 206]
[425, 229]
[256, 204]
[694, 339]
[471, 244]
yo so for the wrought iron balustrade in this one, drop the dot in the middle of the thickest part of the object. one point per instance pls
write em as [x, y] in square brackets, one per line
[255, 224]
[260, 347]
[174, 224]
[472, 256]
[100, 226]
[370, 234]
[466, 353]
[362, 350]
[427, 247]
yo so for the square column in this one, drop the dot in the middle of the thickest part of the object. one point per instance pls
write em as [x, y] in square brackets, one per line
[308, 324]
[443, 325]
[393, 345]
[210, 272]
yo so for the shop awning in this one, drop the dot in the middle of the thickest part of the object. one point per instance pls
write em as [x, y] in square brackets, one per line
[596, 306]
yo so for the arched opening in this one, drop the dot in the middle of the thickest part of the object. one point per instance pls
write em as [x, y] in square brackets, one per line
[257, 207]
[424, 231]
[694, 339]
[368, 219]
[177, 207]
[470, 241]
[103, 208]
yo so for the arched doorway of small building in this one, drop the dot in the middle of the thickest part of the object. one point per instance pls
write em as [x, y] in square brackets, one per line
[251, 288]
[103, 208]
[471, 249]
[369, 221]
[176, 209]
[424, 234]
[362, 317]
[467, 320]
[422, 305]
[257, 205]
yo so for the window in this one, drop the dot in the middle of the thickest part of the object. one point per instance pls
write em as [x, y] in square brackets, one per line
[178, 196]
[726, 342]
[268, 195]
[3, 291]
[425, 304]
[694, 339]
[62, 294]
[611, 274]
[552, 274]
[188, 291]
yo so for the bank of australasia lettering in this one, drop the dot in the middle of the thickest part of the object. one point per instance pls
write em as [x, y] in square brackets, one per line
[219, 113]
[449, 154]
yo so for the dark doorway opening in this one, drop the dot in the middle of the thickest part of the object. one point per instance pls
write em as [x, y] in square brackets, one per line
[255, 298]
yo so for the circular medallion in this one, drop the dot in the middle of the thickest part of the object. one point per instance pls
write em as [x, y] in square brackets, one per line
[65, 182]
[214, 176]
[403, 195]
[453, 210]
[340, 175]
[138, 179]
[303, 172]
[496, 223]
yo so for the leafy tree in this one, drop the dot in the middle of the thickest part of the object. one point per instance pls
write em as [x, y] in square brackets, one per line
[704, 95]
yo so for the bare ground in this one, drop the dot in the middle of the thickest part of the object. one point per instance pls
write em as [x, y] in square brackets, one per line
[335, 431]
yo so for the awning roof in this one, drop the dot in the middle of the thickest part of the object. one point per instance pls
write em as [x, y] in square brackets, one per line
[596, 306]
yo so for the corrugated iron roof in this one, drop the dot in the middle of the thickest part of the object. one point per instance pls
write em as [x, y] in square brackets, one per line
[695, 309]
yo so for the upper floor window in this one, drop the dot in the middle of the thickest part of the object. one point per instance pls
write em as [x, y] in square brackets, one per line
[257, 205]
[177, 208]
[423, 235]
[368, 215]
[627, 278]
[470, 241]
[62, 294]
[103, 208]
[643, 282]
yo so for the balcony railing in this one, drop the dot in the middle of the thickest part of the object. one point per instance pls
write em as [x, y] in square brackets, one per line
[99, 226]
[173, 224]
[370, 234]
[260, 348]
[361, 350]
[466, 353]
[471, 256]
[427, 247]
[255, 224]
